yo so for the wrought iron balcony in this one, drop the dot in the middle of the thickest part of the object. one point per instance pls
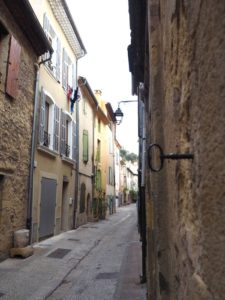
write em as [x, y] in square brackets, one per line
[46, 139]
[67, 150]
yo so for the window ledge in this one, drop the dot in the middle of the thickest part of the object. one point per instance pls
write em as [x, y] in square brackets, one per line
[47, 151]
[68, 160]
[50, 72]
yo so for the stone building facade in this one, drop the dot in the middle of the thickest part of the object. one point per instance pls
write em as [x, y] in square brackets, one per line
[19, 51]
[177, 52]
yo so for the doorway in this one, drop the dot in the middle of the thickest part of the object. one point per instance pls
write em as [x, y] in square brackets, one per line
[47, 207]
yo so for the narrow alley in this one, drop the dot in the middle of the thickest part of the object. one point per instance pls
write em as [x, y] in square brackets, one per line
[87, 263]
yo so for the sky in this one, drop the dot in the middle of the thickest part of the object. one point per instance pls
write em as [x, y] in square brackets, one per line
[105, 31]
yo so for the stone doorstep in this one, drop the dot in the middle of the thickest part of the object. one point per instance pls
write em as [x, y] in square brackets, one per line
[22, 252]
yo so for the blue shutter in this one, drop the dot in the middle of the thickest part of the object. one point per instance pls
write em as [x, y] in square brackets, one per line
[56, 129]
[63, 133]
[74, 141]
[58, 60]
[42, 117]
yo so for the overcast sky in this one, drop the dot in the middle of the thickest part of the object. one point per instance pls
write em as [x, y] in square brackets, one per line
[104, 29]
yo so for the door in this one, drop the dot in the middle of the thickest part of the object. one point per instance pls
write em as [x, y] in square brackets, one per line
[47, 207]
[64, 207]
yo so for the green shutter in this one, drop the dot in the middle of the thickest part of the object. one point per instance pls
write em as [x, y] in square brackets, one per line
[98, 180]
[85, 146]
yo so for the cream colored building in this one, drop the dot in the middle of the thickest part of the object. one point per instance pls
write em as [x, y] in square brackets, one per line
[87, 107]
[54, 195]
[117, 173]
[110, 184]
[100, 158]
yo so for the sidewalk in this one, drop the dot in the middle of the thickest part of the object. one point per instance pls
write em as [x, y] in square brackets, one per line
[35, 277]
[130, 287]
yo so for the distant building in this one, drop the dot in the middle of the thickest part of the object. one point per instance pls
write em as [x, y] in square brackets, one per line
[87, 107]
[117, 173]
[20, 49]
[110, 185]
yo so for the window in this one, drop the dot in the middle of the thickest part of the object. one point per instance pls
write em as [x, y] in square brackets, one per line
[68, 72]
[68, 136]
[98, 180]
[54, 64]
[82, 198]
[49, 122]
[110, 143]
[98, 154]
[13, 64]
[99, 125]
[111, 180]
[85, 146]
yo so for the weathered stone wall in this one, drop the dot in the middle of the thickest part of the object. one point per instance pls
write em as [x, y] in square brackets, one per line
[186, 112]
[15, 136]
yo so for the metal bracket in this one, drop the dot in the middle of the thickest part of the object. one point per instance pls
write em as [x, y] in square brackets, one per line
[163, 156]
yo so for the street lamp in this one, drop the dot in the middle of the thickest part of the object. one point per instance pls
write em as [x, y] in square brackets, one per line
[118, 113]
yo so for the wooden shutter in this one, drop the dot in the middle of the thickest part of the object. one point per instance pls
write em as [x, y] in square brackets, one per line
[64, 69]
[42, 117]
[74, 140]
[74, 76]
[58, 60]
[46, 30]
[56, 129]
[85, 146]
[63, 133]
[13, 68]
[46, 24]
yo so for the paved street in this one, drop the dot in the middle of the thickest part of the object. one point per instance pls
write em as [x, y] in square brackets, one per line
[97, 261]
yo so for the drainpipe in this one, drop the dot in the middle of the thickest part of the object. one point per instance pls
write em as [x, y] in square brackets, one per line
[77, 157]
[33, 139]
[77, 166]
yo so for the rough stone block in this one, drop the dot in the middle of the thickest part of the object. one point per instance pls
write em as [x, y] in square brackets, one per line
[22, 252]
[21, 238]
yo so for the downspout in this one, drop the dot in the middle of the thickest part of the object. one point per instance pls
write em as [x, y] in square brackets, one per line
[33, 139]
[93, 159]
[77, 165]
[77, 160]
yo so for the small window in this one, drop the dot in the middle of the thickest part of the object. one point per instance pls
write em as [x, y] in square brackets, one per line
[85, 146]
[111, 180]
[68, 136]
[98, 154]
[54, 65]
[13, 68]
[49, 123]
[82, 198]
[99, 125]
[4, 49]
[68, 72]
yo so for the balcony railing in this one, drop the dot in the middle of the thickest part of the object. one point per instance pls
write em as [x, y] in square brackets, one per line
[46, 139]
[67, 150]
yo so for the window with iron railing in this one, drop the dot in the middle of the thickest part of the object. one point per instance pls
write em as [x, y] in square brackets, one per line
[48, 122]
[68, 136]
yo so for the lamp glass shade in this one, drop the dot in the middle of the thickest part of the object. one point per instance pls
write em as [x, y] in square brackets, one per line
[119, 116]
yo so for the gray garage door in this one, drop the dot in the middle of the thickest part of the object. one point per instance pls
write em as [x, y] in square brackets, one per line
[47, 209]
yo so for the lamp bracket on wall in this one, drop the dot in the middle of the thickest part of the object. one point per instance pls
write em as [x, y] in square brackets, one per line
[156, 153]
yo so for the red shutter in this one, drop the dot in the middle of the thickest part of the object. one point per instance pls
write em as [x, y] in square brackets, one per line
[13, 67]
